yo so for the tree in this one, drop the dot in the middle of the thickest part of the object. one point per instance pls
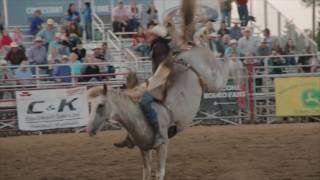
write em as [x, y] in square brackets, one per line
[310, 2]
[313, 4]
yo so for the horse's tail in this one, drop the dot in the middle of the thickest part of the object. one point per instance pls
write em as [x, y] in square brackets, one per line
[188, 16]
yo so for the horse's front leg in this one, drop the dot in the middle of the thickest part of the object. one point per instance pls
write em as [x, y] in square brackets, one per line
[147, 160]
[161, 161]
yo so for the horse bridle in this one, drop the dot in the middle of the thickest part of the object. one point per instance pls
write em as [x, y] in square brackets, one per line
[190, 67]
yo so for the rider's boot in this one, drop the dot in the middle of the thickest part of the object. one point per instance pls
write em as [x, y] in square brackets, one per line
[125, 143]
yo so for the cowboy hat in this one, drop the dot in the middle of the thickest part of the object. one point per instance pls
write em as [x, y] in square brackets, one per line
[213, 34]
[14, 44]
[50, 22]
[38, 39]
[233, 41]
[247, 29]
[159, 31]
[3, 62]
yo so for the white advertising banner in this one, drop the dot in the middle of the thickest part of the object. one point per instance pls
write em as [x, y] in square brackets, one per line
[52, 109]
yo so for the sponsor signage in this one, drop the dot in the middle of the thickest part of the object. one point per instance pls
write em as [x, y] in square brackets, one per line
[52, 109]
[298, 96]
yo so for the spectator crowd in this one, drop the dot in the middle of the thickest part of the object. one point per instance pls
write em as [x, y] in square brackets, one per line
[61, 43]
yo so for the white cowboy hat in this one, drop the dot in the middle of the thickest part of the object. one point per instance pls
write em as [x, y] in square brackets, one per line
[247, 29]
[159, 31]
[213, 34]
[38, 39]
[50, 22]
[3, 62]
[233, 41]
[14, 44]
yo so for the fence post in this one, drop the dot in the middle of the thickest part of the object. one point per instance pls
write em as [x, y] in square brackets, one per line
[265, 6]
[37, 76]
[279, 24]
[5, 14]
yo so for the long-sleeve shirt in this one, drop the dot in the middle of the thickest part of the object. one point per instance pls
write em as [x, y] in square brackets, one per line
[120, 14]
[38, 55]
[48, 34]
[35, 26]
[248, 45]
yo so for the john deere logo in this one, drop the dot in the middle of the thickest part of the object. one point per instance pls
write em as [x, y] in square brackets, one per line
[311, 98]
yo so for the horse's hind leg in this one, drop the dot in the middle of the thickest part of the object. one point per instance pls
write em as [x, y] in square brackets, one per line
[161, 161]
[146, 156]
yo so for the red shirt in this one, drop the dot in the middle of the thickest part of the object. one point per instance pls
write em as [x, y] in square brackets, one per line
[6, 41]
[242, 2]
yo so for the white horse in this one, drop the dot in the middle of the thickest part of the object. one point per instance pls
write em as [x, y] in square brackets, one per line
[178, 108]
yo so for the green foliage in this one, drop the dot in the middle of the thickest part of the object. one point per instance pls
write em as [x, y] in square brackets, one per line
[310, 2]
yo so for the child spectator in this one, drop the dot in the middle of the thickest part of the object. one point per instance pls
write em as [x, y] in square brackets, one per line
[36, 22]
[24, 74]
[15, 55]
[63, 70]
[18, 36]
[235, 31]
[64, 48]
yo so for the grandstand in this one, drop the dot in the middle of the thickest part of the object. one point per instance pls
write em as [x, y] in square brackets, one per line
[261, 69]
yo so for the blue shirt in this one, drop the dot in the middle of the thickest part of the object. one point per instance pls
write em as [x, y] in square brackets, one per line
[48, 34]
[75, 17]
[87, 14]
[63, 71]
[230, 52]
[20, 74]
[235, 33]
[35, 26]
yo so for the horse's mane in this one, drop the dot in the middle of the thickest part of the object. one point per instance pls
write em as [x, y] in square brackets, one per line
[95, 92]
[99, 90]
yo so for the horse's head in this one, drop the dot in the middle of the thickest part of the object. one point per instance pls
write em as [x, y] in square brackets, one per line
[100, 109]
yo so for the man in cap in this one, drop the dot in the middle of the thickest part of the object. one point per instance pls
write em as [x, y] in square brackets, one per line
[15, 55]
[49, 32]
[38, 54]
[247, 43]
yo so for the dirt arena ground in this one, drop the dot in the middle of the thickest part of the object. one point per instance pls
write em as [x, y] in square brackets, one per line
[264, 152]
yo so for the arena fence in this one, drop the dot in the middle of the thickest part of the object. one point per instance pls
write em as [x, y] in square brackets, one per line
[252, 101]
